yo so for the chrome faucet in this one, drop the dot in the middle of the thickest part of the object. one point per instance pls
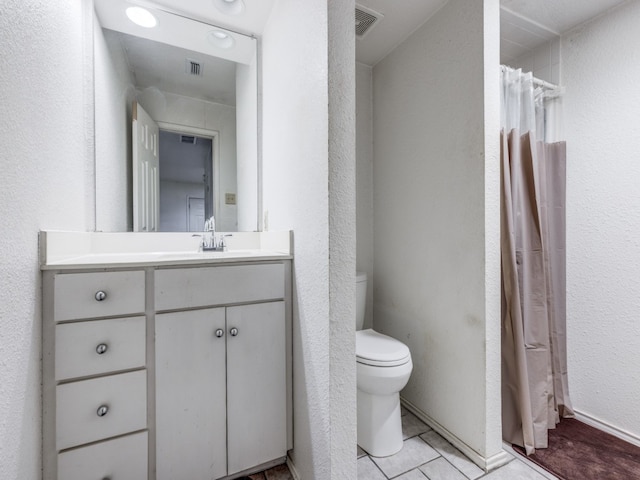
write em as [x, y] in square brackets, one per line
[210, 242]
[209, 235]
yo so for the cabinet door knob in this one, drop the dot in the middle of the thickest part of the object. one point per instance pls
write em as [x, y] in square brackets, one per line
[102, 410]
[219, 333]
[233, 331]
[101, 295]
[101, 348]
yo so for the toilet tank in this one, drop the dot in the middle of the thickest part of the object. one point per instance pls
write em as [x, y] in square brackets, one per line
[361, 298]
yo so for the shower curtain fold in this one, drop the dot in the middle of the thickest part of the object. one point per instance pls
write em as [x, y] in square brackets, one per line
[534, 373]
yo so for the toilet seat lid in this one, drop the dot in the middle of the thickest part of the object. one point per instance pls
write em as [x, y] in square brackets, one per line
[373, 348]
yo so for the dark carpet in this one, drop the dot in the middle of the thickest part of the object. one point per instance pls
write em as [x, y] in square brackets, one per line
[578, 451]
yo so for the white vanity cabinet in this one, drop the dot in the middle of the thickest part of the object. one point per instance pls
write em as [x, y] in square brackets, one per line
[94, 375]
[167, 372]
[221, 374]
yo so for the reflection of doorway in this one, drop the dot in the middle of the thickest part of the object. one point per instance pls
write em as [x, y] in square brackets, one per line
[186, 180]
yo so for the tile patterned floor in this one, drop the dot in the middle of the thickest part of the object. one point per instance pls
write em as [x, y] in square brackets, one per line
[427, 455]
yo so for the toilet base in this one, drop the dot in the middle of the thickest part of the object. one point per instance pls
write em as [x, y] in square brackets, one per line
[379, 424]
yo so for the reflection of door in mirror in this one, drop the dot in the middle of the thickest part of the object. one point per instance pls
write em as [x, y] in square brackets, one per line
[195, 208]
[145, 133]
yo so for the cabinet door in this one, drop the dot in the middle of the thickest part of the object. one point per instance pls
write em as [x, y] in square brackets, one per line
[256, 385]
[190, 395]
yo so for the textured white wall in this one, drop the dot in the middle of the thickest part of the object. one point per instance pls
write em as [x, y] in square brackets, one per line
[46, 133]
[364, 180]
[436, 217]
[600, 69]
[295, 185]
[342, 237]
[114, 94]
[187, 111]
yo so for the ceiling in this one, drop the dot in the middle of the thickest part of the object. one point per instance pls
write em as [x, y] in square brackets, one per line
[183, 161]
[524, 24]
[169, 69]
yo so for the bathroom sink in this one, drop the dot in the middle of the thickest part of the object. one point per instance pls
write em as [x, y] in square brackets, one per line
[162, 257]
[209, 254]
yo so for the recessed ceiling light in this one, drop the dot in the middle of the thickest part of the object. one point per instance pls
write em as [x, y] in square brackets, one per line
[141, 16]
[229, 7]
[220, 39]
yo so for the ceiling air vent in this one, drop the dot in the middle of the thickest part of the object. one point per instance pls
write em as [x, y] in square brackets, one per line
[188, 139]
[366, 19]
[193, 67]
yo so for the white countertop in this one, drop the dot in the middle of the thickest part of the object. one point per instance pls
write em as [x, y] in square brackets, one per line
[69, 250]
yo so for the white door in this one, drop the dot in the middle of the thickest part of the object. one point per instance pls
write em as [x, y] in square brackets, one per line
[256, 385]
[146, 191]
[195, 218]
[190, 395]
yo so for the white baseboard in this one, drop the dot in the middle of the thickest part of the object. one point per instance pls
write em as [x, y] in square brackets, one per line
[485, 463]
[607, 427]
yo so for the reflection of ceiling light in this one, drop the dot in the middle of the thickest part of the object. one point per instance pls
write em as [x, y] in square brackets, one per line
[220, 39]
[141, 16]
[229, 7]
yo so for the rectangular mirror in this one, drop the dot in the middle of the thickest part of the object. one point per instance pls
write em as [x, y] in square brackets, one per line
[175, 122]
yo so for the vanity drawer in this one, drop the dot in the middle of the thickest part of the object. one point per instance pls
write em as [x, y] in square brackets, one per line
[123, 458]
[99, 346]
[77, 294]
[78, 403]
[199, 287]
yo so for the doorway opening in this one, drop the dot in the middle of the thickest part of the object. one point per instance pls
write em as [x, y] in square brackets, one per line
[187, 171]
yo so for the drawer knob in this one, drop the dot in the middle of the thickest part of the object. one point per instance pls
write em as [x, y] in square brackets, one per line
[233, 331]
[101, 348]
[219, 333]
[102, 410]
[101, 295]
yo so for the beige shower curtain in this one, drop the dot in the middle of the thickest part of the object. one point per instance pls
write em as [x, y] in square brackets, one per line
[534, 363]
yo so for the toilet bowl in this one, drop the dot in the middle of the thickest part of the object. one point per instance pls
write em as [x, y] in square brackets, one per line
[383, 368]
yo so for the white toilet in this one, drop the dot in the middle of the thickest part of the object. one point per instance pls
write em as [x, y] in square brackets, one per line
[383, 368]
